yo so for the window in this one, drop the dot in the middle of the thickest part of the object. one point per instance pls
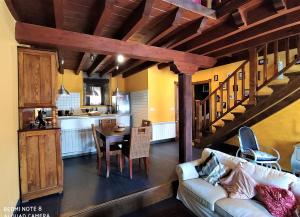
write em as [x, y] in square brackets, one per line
[95, 91]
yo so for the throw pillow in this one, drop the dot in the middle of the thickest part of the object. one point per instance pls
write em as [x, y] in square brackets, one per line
[211, 169]
[239, 184]
[279, 202]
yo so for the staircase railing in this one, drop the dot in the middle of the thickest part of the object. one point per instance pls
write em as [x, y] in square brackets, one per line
[243, 84]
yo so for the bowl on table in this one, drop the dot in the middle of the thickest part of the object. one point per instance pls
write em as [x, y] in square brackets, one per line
[119, 129]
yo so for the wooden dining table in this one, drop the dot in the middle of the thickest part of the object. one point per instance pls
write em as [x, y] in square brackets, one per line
[110, 136]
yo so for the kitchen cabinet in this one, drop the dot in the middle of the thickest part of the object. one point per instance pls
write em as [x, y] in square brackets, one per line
[37, 78]
[41, 166]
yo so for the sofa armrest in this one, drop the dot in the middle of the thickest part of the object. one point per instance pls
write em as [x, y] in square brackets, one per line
[187, 170]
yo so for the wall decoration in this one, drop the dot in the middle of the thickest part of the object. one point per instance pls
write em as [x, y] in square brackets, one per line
[246, 93]
[224, 105]
[218, 114]
[262, 61]
[298, 62]
[218, 98]
[258, 75]
[216, 77]
[241, 75]
[224, 85]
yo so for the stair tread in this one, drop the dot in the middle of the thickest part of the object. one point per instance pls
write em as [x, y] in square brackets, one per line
[291, 74]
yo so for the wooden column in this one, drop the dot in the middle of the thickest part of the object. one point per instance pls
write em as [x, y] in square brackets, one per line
[253, 75]
[185, 110]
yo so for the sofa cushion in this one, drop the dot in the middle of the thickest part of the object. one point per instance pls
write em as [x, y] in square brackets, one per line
[280, 202]
[239, 184]
[267, 176]
[204, 192]
[225, 159]
[228, 207]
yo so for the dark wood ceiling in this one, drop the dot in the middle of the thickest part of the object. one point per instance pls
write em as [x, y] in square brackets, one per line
[158, 23]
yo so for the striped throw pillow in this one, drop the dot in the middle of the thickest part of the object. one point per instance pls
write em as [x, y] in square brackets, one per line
[211, 170]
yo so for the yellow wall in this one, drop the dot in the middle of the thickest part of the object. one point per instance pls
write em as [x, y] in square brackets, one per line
[137, 82]
[161, 98]
[9, 182]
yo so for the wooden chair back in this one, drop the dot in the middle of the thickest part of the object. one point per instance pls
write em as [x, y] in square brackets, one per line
[108, 123]
[140, 138]
[146, 123]
[98, 143]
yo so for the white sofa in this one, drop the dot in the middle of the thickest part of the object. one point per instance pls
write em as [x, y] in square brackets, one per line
[204, 199]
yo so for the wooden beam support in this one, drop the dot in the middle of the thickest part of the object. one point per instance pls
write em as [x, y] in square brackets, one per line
[140, 68]
[135, 21]
[12, 9]
[230, 7]
[273, 25]
[194, 7]
[163, 65]
[290, 31]
[185, 110]
[103, 19]
[59, 21]
[39, 35]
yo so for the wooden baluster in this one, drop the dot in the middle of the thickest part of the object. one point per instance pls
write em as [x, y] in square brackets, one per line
[204, 115]
[276, 57]
[221, 98]
[235, 86]
[228, 95]
[243, 82]
[287, 51]
[253, 75]
[265, 69]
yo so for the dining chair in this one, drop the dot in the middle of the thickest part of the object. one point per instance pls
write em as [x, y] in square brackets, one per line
[139, 147]
[108, 123]
[115, 150]
[146, 123]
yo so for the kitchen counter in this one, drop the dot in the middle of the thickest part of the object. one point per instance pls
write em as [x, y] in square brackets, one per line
[76, 132]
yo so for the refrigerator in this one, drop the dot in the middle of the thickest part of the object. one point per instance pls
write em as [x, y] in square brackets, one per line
[121, 103]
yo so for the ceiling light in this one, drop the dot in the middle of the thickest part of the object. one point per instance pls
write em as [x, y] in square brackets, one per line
[92, 57]
[120, 58]
[62, 90]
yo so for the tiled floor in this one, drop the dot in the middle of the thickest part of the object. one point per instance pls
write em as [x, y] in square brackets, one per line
[83, 188]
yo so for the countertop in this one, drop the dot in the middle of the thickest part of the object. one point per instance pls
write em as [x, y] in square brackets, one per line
[89, 116]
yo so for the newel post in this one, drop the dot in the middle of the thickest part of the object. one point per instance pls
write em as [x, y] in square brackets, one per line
[185, 72]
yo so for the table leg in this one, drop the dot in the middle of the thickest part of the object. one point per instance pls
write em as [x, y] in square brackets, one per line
[107, 147]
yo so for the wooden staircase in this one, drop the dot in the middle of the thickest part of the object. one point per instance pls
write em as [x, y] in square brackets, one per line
[254, 91]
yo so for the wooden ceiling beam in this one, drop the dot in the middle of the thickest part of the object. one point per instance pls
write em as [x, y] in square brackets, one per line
[194, 7]
[230, 7]
[141, 67]
[280, 34]
[278, 23]
[11, 7]
[188, 29]
[45, 36]
[99, 29]
[135, 21]
[59, 22]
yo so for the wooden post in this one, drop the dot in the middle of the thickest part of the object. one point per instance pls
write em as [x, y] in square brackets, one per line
[185, 110]
[185, 117]
[253, 75]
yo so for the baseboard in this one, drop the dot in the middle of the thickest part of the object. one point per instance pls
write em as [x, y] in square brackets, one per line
[162, 141]
[130, 203]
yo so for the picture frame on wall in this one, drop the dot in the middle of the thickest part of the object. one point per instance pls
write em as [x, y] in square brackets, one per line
[258, 75]
[240, 76]
[218, 114]
[224, 85]
[216, 77]
[218, 98]
[262, 61]
[246, 93]
[224, 105]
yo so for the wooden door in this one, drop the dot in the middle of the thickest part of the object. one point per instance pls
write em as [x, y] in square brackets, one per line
[40, 163]
[37, 78]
